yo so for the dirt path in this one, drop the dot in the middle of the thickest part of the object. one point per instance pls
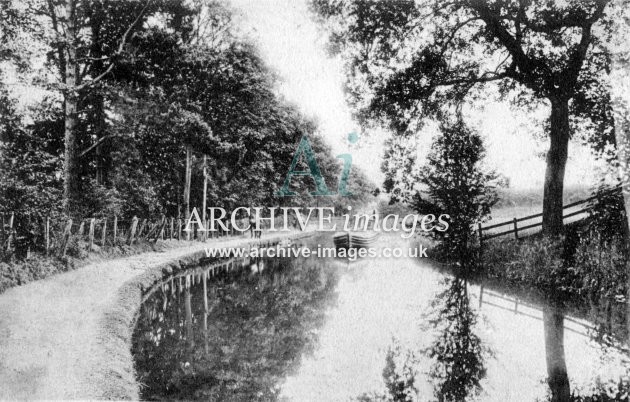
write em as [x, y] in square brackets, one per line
[52, 340]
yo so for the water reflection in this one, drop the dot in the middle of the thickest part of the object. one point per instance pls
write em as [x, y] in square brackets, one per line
[578, 366]
[254, 328]
[458, 352]
[557, 377]
[455, 356]
[468, 358]
[314, 330]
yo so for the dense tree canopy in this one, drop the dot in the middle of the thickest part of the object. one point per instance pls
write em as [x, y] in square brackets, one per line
[412, 60]
[148, 80]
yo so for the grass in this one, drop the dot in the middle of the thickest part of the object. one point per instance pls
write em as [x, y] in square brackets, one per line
[40, 266]
[580, 272]
[532, 197]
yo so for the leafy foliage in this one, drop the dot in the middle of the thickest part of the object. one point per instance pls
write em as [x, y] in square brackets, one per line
[457, 184]
[31, 159]
[416, 57]
[185, 76]
[413, 61]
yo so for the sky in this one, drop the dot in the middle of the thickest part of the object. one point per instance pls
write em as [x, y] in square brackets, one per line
[294, 46]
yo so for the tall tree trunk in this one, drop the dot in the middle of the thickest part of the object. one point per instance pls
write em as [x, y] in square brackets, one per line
[205, 190]
[71, 185]
[556, 163]
[557, 378]
[622, 134]
[619, 87]
[101, 152]
[99, 130]
[187, 184]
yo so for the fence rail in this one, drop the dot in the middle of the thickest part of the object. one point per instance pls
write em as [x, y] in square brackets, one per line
[24, 234]
[515, 221]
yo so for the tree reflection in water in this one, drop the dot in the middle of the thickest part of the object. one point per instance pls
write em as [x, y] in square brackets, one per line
[400, 377]
[458, 352]
[557, 377]
[255, 332]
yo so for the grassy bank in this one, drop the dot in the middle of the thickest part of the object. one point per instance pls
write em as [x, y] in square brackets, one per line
[581, 273]
[15, 272]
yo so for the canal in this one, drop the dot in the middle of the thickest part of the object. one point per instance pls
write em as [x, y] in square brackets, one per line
[371, 330]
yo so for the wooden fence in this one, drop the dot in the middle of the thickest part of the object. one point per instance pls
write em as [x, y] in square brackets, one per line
[20, 235]
[486, 233]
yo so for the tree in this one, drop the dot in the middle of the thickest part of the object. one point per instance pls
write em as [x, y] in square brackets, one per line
[74, 40]
[182, 78]
[30, 159]
[619, 85]
[409, 59]
[457, 184]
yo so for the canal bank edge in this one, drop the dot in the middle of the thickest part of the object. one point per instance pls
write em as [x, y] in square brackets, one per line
[117, 374]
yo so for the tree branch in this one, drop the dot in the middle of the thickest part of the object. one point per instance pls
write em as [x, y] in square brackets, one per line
[577, 58]
[454, 32]
[511, 44]
[119, 51]
[61, 61]
[485, 77]
[96, 144]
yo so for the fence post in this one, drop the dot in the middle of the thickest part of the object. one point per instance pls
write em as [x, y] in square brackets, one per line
[47, 235]
[115, 229]
[10, 231]
[160, 233]
[142, 226]
[81, 229]
[179, 229]
[91, 234]
[104, 234]
[66, 237]
[132, 230]
[515, 229]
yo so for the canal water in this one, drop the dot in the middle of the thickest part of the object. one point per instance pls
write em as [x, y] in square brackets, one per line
[370, 330]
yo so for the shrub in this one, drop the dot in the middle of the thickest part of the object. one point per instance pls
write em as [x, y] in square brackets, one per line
[607, 213]
[458, 185]
[37, 267]
[535, 263]
[600, 263]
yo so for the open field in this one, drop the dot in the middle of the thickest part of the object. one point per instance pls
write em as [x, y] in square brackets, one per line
[533, 197]
[521, 203]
